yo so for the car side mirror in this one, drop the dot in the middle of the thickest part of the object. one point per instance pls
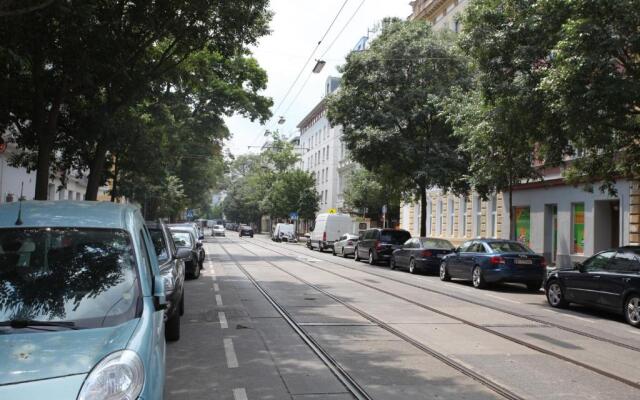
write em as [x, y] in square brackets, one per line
[579, 266]
[183, 253]
[201, 237]
[159, 299]
[199, 244]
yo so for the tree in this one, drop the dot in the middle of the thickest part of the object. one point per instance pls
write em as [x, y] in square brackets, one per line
[292, 191]
[390, 108]
[366, 190]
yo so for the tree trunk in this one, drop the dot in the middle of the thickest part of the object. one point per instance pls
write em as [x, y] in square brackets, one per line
[96, 171]
[45, 145]
[423, 211]
[114, 186]
[512, 225]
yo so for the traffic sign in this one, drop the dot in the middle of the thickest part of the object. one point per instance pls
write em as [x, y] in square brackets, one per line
[293, 216]
[332, 211]
[189, 213]
[384, 209]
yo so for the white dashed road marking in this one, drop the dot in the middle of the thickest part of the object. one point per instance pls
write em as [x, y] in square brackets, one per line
[223, 320]
[502, 298]
[240, 394]
[218, 300]
[216, 287]
[230, 353]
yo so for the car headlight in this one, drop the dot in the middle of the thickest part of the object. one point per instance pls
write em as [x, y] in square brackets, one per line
[119, 375]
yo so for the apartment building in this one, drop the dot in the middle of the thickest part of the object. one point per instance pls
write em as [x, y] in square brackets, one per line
[562, 222]
[323, 153]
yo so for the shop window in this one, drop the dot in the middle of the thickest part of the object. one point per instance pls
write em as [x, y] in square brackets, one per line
[522, 229]
[577, 230]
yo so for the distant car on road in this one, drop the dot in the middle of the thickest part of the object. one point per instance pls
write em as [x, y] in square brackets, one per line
[199, 237]
[184, 238]
[218, 230]
[421, 254]
[609, 280]
[284, 233]
[328, 228]
[171, 260]
[378, 244]
[82, 310]
[486, 261]
[246, 230]
[345, 245]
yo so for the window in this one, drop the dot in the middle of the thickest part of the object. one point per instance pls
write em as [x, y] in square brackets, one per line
[429, 213]
[477, 248]
[466, 246]
[477, 216]
[577, 231]
[508, 247]
[462, 230]
[451, 217]
[598, 262]
[522, 227]
[162, 252]
[439, 217]
[144, 253]
[437, 244]
[70, 195]
[493, 223]
[626, 262]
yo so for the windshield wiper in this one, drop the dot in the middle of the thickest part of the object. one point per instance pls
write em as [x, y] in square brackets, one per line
[32, 323]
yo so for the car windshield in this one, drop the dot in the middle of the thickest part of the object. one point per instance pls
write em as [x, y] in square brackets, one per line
[436, 244]
[84, 276]
[508, 247]
[160, 245]
[181, 238]
[218, 227]
[394, 237]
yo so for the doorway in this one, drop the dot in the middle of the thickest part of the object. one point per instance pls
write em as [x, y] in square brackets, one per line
[551, 233]
[606, 225]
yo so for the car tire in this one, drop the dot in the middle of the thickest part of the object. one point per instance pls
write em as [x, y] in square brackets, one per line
[534, 286]
[333, 251]
[555, 295]
[412, 267]
[632, 310]
[196, 271]
[172, 328]
[444, 274]
[343, 254]
[371, 260]
[356, 257]
[477, 279]
[392, 263]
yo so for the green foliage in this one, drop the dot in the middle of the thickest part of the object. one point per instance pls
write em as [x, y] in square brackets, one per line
[390, 107]
[365, 189]
[292, 191]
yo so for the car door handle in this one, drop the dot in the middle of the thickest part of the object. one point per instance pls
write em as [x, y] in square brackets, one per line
[595, 276]
[626, 280]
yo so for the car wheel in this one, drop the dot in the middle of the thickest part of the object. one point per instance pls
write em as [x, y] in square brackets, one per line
[343, 254]
[392, 262]
[372, 261]
[412, 267]
[534, 286]
[333, 251]
[196, 271]
[444, 274]
[555, 297]
[172, 328]
[356, 257]
[632, 310]
[477, 278]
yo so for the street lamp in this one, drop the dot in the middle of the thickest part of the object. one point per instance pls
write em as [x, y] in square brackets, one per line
[318, 67]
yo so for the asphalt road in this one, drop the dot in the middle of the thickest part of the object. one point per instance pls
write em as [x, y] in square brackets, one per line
[278, 321]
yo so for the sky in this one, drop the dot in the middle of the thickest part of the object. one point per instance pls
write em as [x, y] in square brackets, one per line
[297, 26]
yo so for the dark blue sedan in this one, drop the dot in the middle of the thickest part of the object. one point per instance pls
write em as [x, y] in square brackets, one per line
[486, 261]
[421, 254]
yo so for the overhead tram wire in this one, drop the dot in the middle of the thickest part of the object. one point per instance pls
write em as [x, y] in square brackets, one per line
[323, 54]
[307, 61]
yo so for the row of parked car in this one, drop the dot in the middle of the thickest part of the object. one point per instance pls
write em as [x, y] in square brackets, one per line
[608, 280]
[86, 290]
[242, 229]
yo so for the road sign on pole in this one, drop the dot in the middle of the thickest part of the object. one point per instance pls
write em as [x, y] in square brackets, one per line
[332, 211]
[293, 216]
[189, 213]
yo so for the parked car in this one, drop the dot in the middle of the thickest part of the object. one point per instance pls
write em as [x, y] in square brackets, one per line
[284, 233]
[345, 245]
[82, 313]
[609, 280]
[328, 228]
[246, 230]
[421, 254]
[199, 235]
[171, 260]
[486, 261]
[378, 244]
[218, 230]
[184, 238]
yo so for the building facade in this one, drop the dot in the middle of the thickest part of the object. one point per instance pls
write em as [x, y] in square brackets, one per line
[562, 222]
[323, 153]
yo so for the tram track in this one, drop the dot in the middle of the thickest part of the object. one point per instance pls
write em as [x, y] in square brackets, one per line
[348, 381]
[480, 327]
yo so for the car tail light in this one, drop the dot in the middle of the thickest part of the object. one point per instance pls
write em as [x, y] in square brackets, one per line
[426, 253]
[349, 243]
[378, 245]
[543, 262]
[324, 236]
[496, 260]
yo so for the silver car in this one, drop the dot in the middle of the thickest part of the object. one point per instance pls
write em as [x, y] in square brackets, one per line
[345, 245]
[218, 230]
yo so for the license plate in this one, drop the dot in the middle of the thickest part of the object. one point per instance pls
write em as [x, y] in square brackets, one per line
[523, 262]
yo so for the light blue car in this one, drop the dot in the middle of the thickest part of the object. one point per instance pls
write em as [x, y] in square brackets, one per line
[81, 303]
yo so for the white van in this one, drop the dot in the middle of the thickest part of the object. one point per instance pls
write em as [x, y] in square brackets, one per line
[284, 233]
[328, 228]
